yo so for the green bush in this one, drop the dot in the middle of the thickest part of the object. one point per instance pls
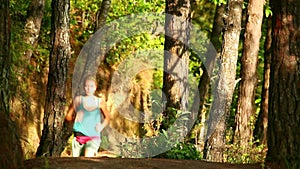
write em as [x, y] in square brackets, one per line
[250, 154]
[182, 151]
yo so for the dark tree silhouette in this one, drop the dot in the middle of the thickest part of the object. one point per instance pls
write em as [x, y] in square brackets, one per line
[54, 134]
[11, 155]
[284, 109]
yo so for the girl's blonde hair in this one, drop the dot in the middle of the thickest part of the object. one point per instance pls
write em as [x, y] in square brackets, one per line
[90, 77]
[93, 78]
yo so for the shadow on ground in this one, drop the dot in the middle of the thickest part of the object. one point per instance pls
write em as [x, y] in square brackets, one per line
[130, 163]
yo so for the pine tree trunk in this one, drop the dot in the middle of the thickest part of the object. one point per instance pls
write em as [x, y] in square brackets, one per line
[284, 109]
[215, 145]
[204, 82]
[96, 54]
[176, 57]
[246, 103]
[11, 155]
[33, 24]
[260, 131]
[54, 138]
[103, 13]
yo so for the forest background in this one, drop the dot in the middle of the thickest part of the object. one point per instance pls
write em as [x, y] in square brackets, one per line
[255, 47]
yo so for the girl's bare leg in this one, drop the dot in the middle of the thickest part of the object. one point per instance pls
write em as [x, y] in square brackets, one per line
[89, 153]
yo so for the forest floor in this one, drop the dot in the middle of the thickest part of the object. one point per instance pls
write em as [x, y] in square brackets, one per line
[108, 162]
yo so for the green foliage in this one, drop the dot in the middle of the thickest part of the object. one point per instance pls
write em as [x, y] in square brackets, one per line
[177, 150]
[83, 16]
[181, 151]
[170, 140]
[122, 8]
[203, 12]
[252, 154]
[268, 10]
[17, 45]
[19, 9]
[104, 143]
[42, 50]
[218, 2]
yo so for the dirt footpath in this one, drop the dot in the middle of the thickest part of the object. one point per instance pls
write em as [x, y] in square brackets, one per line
[127, 163]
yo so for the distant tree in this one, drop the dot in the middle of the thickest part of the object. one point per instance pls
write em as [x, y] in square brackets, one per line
[247, 88]
[102, 13]
[204, 82]
[54, 137]
[220, 110]
[284, 98]
[261, 125]
[27, 67]
[33, 24]
[96, 53]
[11, 155]
[176, 57]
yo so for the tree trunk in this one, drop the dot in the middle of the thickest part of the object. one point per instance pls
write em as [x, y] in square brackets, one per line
[176, 58]
[284, 109]
[32, 28]
[102, 14]
[260, 131]
[96, 54]
[204, 82]
[215, 145]
[11, 155]
[28, 84]
[246, 103]
[53, 138]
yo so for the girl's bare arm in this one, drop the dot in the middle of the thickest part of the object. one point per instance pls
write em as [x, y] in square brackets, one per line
[106, 114]
[70, 116]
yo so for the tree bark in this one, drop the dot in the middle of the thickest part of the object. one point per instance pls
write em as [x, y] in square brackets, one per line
[96, 54]
[260, 130]
[28, 84]
[11, 155]
[102, 14]
[284, 109]
[54, 137]
[176, 58]
[204, 81]
[215, 144]
[247, 89]
[33, 24]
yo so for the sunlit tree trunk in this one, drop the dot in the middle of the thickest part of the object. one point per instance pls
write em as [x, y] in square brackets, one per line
[54, 138]
[204, 82]
[260, 131]
[176, 57]
[284, 109]
[247, 89]
[215, 145]
[11, 155]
